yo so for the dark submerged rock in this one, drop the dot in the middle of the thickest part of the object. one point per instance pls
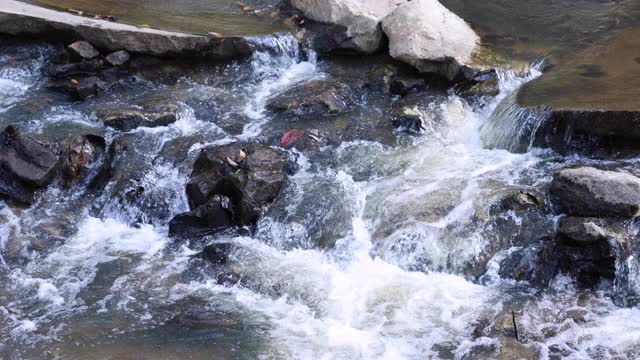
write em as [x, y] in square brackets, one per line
[404, 86]
[26, 164]
[590, 192]
[129, 119]
[315, 98]
[229, 186]
[588, 249]
[206, 219]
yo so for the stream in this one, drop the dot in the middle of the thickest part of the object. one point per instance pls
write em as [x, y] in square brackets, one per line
[386, 246]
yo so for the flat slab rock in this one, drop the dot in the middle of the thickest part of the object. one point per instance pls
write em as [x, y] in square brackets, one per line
[590, 192]
[17, 18]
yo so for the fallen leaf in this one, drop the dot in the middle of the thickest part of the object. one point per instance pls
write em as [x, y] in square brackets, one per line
[231, 162]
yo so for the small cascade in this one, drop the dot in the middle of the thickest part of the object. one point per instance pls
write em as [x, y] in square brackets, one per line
[511, 126]
[277, 65]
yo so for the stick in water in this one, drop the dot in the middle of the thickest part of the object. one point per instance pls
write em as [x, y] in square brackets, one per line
[515, 324]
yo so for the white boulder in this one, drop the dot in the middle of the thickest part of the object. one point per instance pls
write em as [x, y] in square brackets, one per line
[428, 36]
[360, 18]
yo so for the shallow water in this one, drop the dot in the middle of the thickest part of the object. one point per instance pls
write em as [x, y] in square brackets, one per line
[374, 250]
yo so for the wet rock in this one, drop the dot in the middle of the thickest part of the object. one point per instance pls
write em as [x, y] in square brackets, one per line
[408, 119]
[381, 76]
[315, 98]
[74, 70]
[403, 86]
[79, 89]
[231, 184]
[590, 192]
[357, 22]
[484, 84]
[81, 158]
[522, 200]
[217, 253]
[206, 219]
[424, 44]
[83, 50]
[117, 58]
[129, 119]
[26, 164]
[588, 248]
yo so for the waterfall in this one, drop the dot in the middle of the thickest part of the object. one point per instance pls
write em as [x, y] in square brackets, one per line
[511, 126]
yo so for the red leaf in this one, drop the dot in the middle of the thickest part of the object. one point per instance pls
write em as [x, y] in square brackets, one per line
[291, 137]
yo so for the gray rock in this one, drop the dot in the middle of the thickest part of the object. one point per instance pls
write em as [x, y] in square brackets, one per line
[118, 58]
[26, 164]
[129, 119]
[83, 50]
[590, 192]
[315, 98]
[428, 36]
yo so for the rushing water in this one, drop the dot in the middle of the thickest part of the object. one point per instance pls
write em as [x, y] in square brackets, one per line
[373, 250]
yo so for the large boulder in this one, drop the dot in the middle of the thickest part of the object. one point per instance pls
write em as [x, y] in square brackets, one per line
[315, 98]
[590, 192]
[129, 119]
[359, 20]
[229, 186]
[26, 164]
[428, 36]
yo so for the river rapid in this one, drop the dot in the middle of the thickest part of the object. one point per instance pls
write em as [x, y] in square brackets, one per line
[382, 247]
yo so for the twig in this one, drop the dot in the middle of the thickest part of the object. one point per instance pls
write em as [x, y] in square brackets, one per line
[515, 324]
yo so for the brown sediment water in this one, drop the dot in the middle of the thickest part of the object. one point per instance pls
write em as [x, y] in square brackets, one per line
[225, 17]
[605, 76]
[592, 47]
